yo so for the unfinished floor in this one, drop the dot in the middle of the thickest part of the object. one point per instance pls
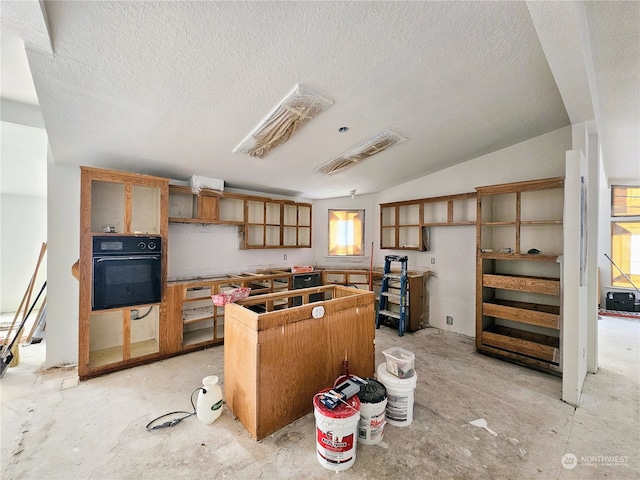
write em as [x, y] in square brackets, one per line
[56, 428]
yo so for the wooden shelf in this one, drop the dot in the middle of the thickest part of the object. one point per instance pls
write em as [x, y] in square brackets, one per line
[535, 345]
[404, 225]
[517, 301]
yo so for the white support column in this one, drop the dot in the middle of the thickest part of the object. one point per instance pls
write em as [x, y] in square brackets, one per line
[574, 292]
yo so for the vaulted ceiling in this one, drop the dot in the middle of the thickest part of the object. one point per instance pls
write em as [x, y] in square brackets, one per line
[171, 88]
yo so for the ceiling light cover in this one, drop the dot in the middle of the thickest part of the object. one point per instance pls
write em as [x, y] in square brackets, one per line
[366, 149]
[297, 108]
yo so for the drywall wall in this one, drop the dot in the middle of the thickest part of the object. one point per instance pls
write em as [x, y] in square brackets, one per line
[23, 202]
[63, 246]
[23, 230]
[452, 286]
[574, 287]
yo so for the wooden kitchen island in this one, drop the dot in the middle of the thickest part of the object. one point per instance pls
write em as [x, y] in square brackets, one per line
[276, 360]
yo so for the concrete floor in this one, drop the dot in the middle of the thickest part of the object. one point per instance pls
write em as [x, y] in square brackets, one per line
[56, 428]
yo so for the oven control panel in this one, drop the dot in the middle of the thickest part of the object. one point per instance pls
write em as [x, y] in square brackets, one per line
[122, 245]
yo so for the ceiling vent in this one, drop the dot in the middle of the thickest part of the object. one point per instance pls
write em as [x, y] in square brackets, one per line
[372, 146]
[297, 108]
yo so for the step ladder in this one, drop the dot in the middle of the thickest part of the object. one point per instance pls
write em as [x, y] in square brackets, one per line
[393, 278]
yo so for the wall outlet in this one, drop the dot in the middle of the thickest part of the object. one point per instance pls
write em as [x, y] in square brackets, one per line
[285, 256]
[134, 314]
[433, 261]
[449, 320]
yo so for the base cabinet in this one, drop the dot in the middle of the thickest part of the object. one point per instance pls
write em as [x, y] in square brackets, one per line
[276, 361]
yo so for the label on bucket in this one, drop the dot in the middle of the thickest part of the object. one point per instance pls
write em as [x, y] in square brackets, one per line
[334, 449]
[397, 407]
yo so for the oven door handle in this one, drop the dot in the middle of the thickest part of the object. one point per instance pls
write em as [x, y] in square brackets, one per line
[120, 258]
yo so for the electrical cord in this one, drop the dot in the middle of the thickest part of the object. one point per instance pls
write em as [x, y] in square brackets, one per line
[174, 421]
[148, 312]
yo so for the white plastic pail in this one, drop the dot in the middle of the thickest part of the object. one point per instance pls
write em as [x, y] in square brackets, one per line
[399, 411]
[373, 403]
[336, 433]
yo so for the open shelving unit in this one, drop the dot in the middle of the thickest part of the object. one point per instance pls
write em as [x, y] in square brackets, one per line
[262, 222]
[519, 248]
[404, 225]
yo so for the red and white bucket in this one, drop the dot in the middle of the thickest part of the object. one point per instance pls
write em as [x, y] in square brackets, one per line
[336, 432]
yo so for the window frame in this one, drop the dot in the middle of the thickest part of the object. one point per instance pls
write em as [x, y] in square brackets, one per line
[632, 210]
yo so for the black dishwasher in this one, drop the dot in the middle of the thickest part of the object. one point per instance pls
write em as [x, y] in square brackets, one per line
[306, 280]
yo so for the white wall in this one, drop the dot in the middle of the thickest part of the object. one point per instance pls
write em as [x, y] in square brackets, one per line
[452, 287]
[574, 291]
[208, 250]
[23, 230]
[23, 203]
[63, 233]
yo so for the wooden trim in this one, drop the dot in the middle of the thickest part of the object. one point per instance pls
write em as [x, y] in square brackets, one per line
[442, 198]
[542, 184]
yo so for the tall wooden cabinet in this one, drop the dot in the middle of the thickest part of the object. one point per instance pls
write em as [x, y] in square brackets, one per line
[518, 288]
[123, 204]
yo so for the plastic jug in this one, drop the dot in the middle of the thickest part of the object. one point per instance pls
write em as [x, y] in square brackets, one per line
[209, 404]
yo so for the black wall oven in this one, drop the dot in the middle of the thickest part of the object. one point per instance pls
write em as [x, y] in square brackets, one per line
[126, 271]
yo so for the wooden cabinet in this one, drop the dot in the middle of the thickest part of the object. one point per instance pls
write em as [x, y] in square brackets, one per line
[262, 222]
[123, 204]
[276, 361]
[276, 224]
[194, 322]
[187, 207]
[518, 293]
[404, 225]
[417, 291]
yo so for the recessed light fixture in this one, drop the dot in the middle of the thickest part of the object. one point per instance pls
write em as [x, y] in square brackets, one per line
[343, 129]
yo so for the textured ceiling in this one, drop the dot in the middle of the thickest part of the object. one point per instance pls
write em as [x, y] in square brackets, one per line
[171, 88]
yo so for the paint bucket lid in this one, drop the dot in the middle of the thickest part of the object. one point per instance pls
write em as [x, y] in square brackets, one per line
[342, 410]
[372, 392]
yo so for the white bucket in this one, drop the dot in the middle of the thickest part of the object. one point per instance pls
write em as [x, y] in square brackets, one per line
[399, 409]
[373, 402]
[336, 433]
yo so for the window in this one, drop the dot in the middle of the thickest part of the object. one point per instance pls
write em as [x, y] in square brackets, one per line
[346, 232]
[625, 201]
[625, 236]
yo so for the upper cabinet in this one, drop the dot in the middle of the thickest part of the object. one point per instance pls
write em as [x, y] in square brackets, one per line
[262, 222]
[123, 203]
[404, 225]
